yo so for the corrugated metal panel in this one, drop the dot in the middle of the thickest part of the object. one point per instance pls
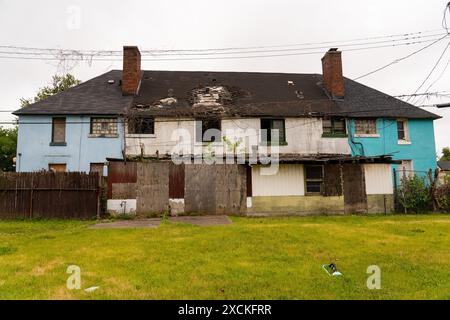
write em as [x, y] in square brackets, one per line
[288, 181]
[378, 179]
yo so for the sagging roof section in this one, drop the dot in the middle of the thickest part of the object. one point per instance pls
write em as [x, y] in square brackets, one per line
[225, 94]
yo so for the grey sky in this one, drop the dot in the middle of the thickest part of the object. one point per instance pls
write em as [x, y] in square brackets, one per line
[172, 24]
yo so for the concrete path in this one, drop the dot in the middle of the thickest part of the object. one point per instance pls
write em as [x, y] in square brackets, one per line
[153, 223]
[144, 223]
[202, 220]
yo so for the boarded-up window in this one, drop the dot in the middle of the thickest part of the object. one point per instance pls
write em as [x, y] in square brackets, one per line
[366, 126]
[57, 167]
[271, 127]
[58, 131]
[104, 127]
[314, 178]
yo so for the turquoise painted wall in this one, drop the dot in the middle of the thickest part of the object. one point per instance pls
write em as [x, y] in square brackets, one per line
[34, 139]
[421, 150]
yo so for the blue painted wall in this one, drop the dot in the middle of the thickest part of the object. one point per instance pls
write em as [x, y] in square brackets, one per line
[35, 151]
[421, 150]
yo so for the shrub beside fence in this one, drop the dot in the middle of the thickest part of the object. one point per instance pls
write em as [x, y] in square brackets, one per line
[49, 195]
[418, 192]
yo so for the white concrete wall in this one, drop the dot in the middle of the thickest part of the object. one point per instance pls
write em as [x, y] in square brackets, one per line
[378, 179]
[303, 136]
[288, 181]
[164, 139]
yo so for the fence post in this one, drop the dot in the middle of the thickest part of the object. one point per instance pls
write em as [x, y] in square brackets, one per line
[31, 195]
[395, 191]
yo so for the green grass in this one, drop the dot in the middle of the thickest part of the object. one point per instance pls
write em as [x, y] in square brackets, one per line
[254, 258]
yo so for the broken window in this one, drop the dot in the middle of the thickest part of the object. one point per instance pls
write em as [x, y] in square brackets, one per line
[141, 125]
[314, 179]
[334, 127]
[277, 125]
[366, 126]
[208, 130]
[58, 131]
[104, 127]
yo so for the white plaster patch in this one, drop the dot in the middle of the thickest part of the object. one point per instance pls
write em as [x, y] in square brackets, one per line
[121, 206]
[249, 202]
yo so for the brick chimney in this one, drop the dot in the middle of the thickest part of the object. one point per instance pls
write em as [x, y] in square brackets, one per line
[333, 80]
[131, 72]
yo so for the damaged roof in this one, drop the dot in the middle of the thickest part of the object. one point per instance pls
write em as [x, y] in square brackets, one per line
[237, 94]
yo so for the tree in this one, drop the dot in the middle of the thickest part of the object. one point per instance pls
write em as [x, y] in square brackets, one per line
[8, 145]
[59, 84]
[445, 154]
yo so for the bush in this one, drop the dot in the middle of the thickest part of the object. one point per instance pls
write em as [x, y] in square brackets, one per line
[442, 195]
[413, 195]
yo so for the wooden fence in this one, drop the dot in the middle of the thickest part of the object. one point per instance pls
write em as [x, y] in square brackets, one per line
[49, 195]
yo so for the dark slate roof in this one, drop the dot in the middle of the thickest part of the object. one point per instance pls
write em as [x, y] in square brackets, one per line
[250, 94]
[267, 94]
[444, 165]
[95, 96]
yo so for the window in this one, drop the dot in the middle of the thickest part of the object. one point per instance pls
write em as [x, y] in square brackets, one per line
[402, 131]
[314, 179]
[334, 127]
[141, 125]
[208, 130]
[58, 132]
[97, 167]
[267, 125]
[406, 168]
[366, 126]
[57, 167]
[104, 127]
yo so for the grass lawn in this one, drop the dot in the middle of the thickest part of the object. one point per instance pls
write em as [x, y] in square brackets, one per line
[253, 258]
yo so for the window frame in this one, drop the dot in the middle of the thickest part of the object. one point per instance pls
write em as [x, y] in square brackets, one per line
[406, 138]
[365, 134]
[200, 130]
[52, 141]
[333, 133]
[269, 132]
[103, 135]
[131, 124]
[306, 166]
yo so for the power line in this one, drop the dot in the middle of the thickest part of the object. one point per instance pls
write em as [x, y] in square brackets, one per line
[110, 52]
[156, 53]
[401, 59]
[75, 57]
[434, 68]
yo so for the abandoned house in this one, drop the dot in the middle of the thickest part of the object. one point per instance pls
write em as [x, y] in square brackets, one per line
[230, 142]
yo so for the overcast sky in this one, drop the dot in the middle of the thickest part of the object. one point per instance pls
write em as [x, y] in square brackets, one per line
[198, 24]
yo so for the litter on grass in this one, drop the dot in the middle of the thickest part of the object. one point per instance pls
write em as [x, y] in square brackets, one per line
[331, 270]
[91, 289]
